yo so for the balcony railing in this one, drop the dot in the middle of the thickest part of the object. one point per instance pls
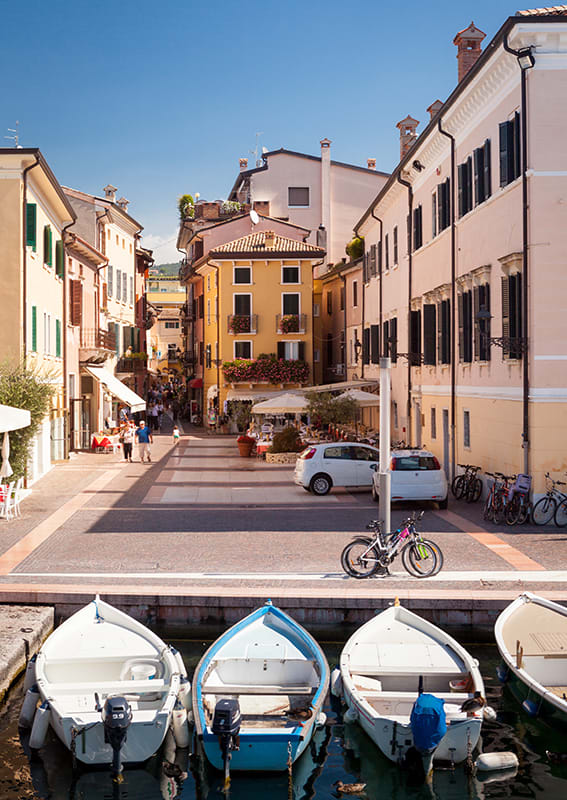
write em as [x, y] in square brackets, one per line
[242, 323]
[291, 323]
[92, 339]
[131, 364]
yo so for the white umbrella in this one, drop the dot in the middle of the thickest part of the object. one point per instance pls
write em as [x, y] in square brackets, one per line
[286, 403]
[13, 418]
[364, 399]
[6, 470]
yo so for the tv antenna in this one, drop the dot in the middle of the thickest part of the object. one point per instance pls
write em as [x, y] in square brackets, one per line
[16, 137]
[256, 151]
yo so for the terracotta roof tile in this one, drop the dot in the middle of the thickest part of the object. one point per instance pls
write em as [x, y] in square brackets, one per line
[549, 11]
[256, 243]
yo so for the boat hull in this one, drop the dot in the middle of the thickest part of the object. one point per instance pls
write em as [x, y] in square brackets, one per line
[261, 751]
[521, 692]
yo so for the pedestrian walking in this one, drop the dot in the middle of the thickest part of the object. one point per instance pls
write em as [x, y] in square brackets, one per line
[144, 438]
[127, 439]
[154, 412]
[175, 435]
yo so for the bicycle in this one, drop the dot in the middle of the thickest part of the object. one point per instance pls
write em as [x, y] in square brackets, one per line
[467, 485]
[518, 507]
[546, 507]
[365, 556]
[495, 503]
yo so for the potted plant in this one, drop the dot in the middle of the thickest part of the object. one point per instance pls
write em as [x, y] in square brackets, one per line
[245, 444]
[289, 323]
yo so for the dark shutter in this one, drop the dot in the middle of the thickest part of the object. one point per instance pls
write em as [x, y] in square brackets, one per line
[476, 323]
[505, 314]
[469, 171]
[503, 133]
[118, 284]
[281, 350]
[460, 188]
[379, 257]
[76, 302]
[478, 176]
[34, 329]
[396, 244]
[461, 327]
[375, 344]
[110, 280]
[439, 208]
[386, 252]
[104, 295]
[415, 338]
[515, 305]
[516, 136]
[467, 328]
[394, 339]
[58, 338]
[487, 173]
[440, 332]
[485, 301]
[385, 339]
[366, 346]
[447, 186]
[31, 225]
[373, 259]
[59, 258]
[434, 214]
[301, 351]
[429, 332]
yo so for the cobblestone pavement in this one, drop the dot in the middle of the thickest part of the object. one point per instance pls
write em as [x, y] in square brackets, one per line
[200, 519]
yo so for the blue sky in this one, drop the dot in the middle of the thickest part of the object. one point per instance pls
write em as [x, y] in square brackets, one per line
[162, 98]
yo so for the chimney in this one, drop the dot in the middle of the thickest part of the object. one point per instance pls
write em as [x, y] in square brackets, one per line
[262, 207]
[123, 203]
[243, 164]
[110, 192]
[468, 48]
[434, 108]
[371, 163]
[269, 239]
[326, 187]
[408, 135]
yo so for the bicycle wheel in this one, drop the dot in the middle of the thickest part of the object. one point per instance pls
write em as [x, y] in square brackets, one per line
[525, 512]
[474, 490]
[513, 510]
[488, 504]
[420, 559]
[438, 553]
[498, 510]
[544, 510]
[458, 486]
[359, 559]
[561, 514]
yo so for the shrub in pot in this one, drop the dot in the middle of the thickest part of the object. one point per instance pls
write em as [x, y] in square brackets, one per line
[287, 441]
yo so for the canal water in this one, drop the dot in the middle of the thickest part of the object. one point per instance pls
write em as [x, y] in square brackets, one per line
[339, 752]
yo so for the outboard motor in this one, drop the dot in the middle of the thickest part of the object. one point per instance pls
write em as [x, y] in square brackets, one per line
[226, 725]
[428, 727]
[116, 718]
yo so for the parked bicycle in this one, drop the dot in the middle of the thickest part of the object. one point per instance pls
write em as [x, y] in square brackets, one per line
[495, 503]
[518, 507]
[553, 505]
[467, 486]
[365, 556]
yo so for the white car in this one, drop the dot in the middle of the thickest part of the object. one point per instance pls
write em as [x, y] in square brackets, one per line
[321, 466]
[415, 475]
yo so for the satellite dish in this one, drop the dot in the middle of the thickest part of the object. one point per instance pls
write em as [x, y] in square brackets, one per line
[254, 218]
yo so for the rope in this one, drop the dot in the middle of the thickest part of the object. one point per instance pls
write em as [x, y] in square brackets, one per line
[289, 772]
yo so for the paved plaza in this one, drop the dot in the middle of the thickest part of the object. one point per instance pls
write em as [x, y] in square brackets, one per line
[201, 520]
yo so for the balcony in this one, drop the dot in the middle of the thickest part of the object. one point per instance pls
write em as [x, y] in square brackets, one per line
[135, 363]
[96, 345]
[291, 323]
[242, 323]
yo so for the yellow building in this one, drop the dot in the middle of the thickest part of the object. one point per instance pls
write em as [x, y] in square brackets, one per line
[258, 317]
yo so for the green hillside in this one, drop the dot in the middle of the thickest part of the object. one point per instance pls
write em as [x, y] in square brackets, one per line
[168, 269]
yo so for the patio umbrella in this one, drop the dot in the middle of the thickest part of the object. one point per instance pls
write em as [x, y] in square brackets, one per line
[10, 420]
[286, 403]
[364, 399]
[6, 470]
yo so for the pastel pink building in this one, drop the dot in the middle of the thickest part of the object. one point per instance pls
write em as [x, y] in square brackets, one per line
[465, 274]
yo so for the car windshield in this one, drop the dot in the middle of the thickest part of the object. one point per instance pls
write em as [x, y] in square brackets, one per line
[414, 463]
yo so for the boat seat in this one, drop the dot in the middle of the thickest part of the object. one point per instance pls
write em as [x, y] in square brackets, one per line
[109, 687]
[255, 689]
[449, 697]
[405, 669]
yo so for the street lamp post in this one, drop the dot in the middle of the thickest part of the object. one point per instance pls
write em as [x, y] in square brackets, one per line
[384, 472]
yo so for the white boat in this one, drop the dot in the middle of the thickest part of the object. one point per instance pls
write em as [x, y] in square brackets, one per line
[258, 691]
[110, 684]
[388, 662]
[531, 634]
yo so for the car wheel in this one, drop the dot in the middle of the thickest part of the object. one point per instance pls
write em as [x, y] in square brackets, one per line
[375, 495]
[320, 484]
[443, 504]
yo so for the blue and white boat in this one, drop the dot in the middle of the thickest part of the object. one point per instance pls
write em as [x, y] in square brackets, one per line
[258, 692]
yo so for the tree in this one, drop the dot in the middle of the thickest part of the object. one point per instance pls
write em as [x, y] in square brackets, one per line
[186, 206]
[24, 387]
[327, 409]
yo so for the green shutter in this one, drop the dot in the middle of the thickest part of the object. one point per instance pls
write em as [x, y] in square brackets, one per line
[34, 329]
[58, 338]
[47, 246]
[31, 226]
[59, 258]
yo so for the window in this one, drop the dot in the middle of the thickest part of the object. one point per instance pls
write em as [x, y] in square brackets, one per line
[131, 291]
[124, 244]
[375, 344]
[482, 176]
[414, 464]
[465, 326]
[124, 287]
[316, 310]
[34, 329]
[117, 239]
[395, 242]
[298, 196]
[31, 225]
[290, 275]
[443, 205]
[510, 161]
[512, 323]
[417, 227]
[433, 424]
[373, 260]
[386, 252]
[243, 275]
[243, 349]
[338, 452]
[342, 298]
[130, 247]
[390, 339]
[342, 349]
[395, 410]
[242, 304]
[110, 280]
[291, 351]
[444, 331]
[208, 312]
[429, 333]
[481, 301]
[208, 356]
[172, 324]
[47, 245]
[329, 302]
[466, 429]
[201, 305]
[415, 338]
[316, 356]
[290, 303]
[365, 454]
[108, 233]
[465, 187]
[355, 293]
[119, 284]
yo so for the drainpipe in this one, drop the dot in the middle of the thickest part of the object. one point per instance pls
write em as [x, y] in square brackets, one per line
[25, 253]
[525, 264]
[64, 334]
[362, 326]
[453, 301]
[410, 264]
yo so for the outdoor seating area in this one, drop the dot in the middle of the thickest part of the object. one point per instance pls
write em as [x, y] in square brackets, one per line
[102, 442]
[11, 495]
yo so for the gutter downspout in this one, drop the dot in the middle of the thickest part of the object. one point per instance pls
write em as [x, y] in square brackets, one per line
[453, 303]
[25, 254]
[64, 323]
[410, 264]
[525, 263]
[362, 327]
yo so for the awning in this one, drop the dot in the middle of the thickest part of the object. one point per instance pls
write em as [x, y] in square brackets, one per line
[340, 386]
[117, 388]
[12, 418]
[248, 394]
[196, 383]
